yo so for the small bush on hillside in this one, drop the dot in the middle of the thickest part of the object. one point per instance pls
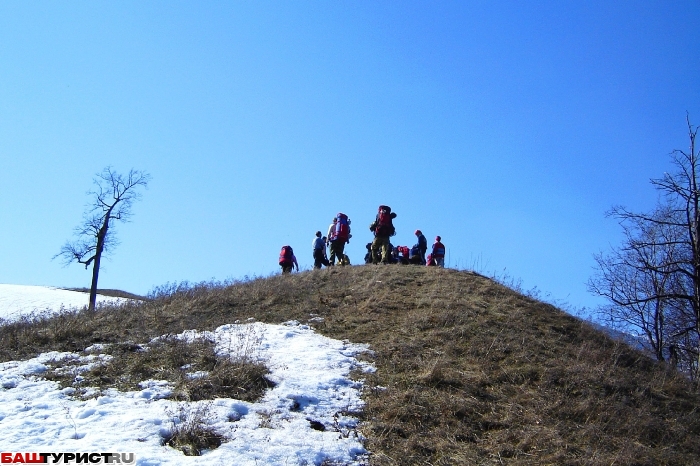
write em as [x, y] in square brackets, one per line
[190, 431]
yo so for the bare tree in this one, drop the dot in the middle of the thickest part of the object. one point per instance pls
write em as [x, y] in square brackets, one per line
[653, 281]
[635, 279]
[111, 200]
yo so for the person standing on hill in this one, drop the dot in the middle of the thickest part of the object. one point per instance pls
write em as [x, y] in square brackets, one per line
[383, 229]
[438, 253]
[422, 245]
[329, 235]
[288, 260]
[338, 235]
[319, 248]
[331, 228]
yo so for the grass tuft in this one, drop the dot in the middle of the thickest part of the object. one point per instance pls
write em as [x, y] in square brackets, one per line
[190, 431]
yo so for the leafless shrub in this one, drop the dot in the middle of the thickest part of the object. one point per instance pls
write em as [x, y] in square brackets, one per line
[190, 431]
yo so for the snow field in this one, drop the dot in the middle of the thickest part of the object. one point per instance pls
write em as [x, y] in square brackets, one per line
[313, 389]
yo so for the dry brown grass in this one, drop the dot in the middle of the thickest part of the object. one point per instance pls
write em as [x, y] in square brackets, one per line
[193, 368]
[468, 371]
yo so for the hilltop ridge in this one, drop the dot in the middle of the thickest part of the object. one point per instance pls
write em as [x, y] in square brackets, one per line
[468, 371]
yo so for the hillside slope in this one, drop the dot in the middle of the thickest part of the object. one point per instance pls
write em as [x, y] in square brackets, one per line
[468, 371]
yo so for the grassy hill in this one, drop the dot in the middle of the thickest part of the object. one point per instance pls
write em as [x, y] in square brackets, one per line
[468, 371]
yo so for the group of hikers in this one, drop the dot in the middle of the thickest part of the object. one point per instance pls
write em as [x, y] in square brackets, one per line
[380, 250]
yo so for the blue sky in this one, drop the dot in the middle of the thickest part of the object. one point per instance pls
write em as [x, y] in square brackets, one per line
[508, 128]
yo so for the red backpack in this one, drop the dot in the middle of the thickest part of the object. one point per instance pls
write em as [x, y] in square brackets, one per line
[385, 226]
[342, 228]
[286, 255]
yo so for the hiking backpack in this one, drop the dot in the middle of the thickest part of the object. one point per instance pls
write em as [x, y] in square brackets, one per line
[385, 227]
[342, 228]
[286, 255]
[438, 249]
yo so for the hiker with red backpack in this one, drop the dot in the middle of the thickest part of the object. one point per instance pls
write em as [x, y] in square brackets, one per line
[338, 235]
[383, 229]
[438, 254]
[288, 260]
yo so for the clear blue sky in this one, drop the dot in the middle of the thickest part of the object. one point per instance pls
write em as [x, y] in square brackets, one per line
[506, 127]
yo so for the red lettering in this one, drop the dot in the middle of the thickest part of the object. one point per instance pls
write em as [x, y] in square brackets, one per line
[7, 457]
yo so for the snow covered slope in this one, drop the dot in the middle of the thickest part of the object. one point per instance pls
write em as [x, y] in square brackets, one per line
[18, 300]
[305, 419]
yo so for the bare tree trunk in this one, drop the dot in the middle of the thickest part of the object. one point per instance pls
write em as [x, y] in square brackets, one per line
[96, 264]
[93, 286]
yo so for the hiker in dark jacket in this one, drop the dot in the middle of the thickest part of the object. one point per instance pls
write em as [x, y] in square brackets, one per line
[368, 256]
[319, 247]
[422, 245]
